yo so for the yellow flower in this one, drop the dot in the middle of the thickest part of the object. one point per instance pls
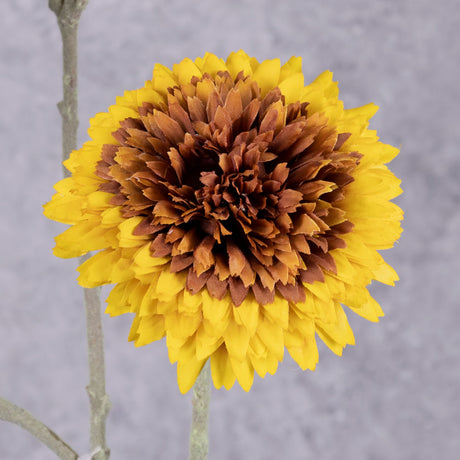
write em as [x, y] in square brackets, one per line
[236, 210]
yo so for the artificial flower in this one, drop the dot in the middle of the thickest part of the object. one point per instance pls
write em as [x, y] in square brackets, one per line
[236, 210]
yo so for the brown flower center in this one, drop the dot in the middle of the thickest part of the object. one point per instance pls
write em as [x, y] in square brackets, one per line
[239, 190]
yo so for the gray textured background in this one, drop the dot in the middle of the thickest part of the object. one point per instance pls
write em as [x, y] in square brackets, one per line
[395, 395]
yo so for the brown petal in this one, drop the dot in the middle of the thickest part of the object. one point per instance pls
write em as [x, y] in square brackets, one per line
[211, 106]
[249, 115]
[326, 261]
[217, 288]
[174, 234]
[233, 104]
[170, 128]
[289, 200]
[108, 153]
[291, 292]
[238, 291]
[180, 262]
[263, 295]
[203, 254]
[178, 114]
[341, 139]
[146, 227]
[189, 242]
[248, 275]
[286, 137]
[280, 173]
[304, 225]
[177, 162]
[194, 282]
[279, 271]
[221, 269]
[333, 243]
[166, 210]
[344, 227]
[236, 259]
[299, 243]
[196, 109]
[159, 247]
[312, 274]
[109, 187]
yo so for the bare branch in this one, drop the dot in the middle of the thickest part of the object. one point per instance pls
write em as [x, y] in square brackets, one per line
[99, 400]
[68, 14]
[198, 447]
[15, 414]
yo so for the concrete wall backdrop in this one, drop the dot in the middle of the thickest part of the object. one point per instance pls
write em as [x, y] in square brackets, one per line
[395, 395]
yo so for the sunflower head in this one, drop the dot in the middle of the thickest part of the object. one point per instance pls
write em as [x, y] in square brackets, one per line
[236, 210]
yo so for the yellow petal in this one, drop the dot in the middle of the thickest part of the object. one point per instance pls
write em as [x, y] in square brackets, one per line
[150, 329]
[292, 88]
[247, 314]
[236, 340]
[290, 68]
[358, 117]
[216, 313]
[385, 274]
[98, 269]
[65, 208]
[101, 129]
[126, 237]
[81, 238]
[237, 62]
[211, 64]
[185, 70]
[305, 356]
[120, 112]
[187, 372]
[112, 217]
[336, 335]
[277, 312]
[98, 201]
[170, 284]
[117, 301]
[271, 334]
[147, 94]
[375, 153]
[369, 309]
[262, 362]
[182, 325]
[206, 344]
[267, 75]
[244, 372]
[163, 79]
[145, 263]
[189, 303]
[221, 369]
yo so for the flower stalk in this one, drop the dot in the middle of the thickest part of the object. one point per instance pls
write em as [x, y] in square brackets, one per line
[9, 412]
[68, 14]
[200, 414]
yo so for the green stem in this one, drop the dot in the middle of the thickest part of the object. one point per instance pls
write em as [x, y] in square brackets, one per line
[200, 413]
[68, 14]
[17, 415]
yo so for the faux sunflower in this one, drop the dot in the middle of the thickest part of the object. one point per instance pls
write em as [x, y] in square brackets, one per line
[235, 210]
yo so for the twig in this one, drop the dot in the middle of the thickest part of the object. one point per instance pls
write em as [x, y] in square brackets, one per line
[99, 400]
[15, 414]
[68, 14]
[200, 402]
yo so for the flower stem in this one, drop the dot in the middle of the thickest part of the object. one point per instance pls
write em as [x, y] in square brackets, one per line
[17, 415]
[68, 14]
[200, 413]
[99, 400]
